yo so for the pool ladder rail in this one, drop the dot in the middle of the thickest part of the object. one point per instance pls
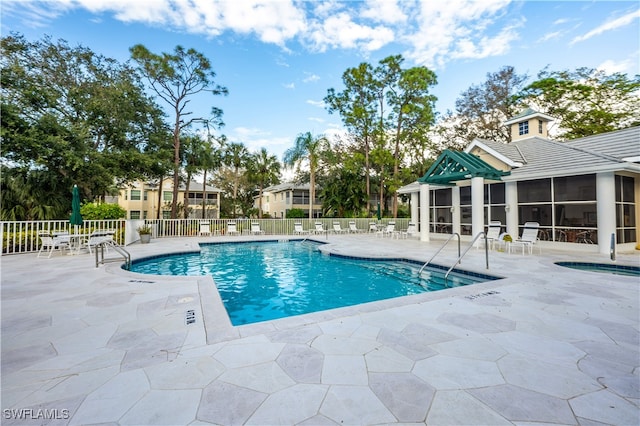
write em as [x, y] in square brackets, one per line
[460, 256]
[100, 249]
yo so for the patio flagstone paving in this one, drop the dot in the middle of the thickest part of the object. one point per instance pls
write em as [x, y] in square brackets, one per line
[544, 345]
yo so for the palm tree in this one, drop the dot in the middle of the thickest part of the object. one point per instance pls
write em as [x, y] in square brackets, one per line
[307, 147]
[192, 151]
[210, 160]
[236, 156]
[264, 170]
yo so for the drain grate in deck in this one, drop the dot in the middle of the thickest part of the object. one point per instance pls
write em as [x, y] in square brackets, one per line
[190, 317]
[142, 281]
[486, 293]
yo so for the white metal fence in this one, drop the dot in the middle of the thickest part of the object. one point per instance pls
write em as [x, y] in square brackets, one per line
[22, 236]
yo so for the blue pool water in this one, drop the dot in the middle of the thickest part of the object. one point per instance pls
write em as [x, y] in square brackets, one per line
[260, 281]
[632, 271]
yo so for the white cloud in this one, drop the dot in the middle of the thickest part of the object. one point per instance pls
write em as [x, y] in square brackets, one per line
[271, 21]
[340, 31]
[386, 11]
[32, 14]
[609, 26]
[550, 36]
[433, 32]
[310, 78]
[289, 85]
[611, 67]
[319, 104]
[458, 26]
[486, 46]
[254, 139]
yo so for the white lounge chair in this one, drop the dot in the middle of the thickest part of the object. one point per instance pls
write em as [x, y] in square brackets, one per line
[319, 228]
[337, 229]
[297, 229]
[205, 228]
[255, 229]
[528, 239]
[51, 243]
[373, 227]
[388, 231]
[410, 231]
[100, 236]
[232, 228]
[353, 228]
[493, 233]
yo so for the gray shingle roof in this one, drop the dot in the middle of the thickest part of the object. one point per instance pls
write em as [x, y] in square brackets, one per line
[619, 144]
[197, 187]
[286, 186]
[544, 158]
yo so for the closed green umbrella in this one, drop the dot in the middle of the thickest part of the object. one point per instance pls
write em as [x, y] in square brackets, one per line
[379, 215]
[76, 217]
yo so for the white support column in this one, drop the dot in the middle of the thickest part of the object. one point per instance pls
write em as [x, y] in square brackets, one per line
[511, 202]
[477, 205]
[415, 200]
[606, 209]
[424, 212]
[455, 202]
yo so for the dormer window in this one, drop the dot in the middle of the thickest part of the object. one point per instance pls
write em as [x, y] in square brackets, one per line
[523, 128]
[540, 126]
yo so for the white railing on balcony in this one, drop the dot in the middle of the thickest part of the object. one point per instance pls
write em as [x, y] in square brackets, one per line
[22, 236]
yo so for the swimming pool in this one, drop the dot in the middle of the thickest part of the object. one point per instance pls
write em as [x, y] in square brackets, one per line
[260, 281]
[629, 270]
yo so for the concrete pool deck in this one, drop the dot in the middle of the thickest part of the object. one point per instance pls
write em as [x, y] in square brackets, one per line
[544, 345]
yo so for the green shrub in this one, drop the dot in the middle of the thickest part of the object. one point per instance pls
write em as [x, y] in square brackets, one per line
[102, 211]
[297, 214]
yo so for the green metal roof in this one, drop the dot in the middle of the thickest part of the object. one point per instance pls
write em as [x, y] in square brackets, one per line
[452, 166]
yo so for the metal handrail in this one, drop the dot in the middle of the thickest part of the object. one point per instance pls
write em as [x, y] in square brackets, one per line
[612, 248]
[486, 251]
[120, 250]
[440, 249]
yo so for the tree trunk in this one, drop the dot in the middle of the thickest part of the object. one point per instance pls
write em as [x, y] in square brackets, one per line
[396, 164]
[235, 192]
[367, 172]
[185, 214]
[204, 194]
[160, 197]
[312, 192]
[176, 165]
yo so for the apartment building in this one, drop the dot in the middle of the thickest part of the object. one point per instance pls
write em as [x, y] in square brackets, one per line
[277, 200]
[142, 200]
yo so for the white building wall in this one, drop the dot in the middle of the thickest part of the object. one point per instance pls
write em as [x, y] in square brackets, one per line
[477, 205]
[424, 212]
[511, 205]
[606, 209]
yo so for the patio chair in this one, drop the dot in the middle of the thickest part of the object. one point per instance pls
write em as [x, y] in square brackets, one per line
[411, 231]
[337, 229]
[493, 233]
[205, 228]
[51, 243]
[373, 227]
[353, 228]
[297, 229]
[528, 239]
[100, 236]
[232, 228]
[319, 228]
[255, 229]
[388, 231]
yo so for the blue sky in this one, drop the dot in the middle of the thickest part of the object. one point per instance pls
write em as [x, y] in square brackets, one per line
[278, 58]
